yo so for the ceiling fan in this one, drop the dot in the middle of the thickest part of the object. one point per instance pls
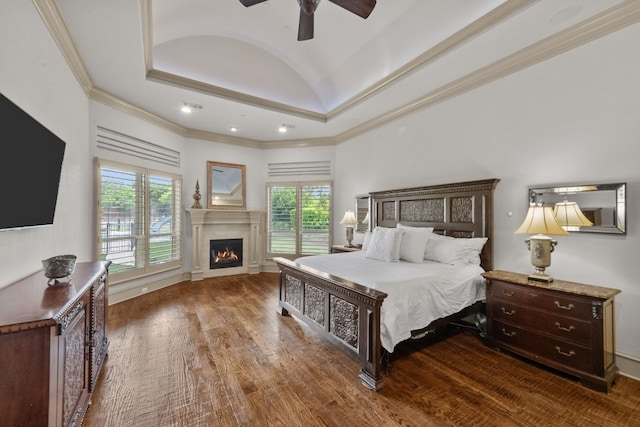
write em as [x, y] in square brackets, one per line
[362, 8]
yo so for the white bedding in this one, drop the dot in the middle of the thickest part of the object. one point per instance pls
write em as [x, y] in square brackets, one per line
[418, 293]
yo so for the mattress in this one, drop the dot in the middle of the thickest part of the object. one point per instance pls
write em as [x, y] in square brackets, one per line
[418, 293]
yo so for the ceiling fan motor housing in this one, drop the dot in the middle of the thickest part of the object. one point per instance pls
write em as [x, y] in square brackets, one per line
[308, 6]
[362, 8]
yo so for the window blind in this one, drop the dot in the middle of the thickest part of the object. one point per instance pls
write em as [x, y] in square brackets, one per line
[139, 219]
[298, 218]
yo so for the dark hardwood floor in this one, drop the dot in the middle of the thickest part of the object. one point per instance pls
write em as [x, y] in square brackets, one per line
[215, 353]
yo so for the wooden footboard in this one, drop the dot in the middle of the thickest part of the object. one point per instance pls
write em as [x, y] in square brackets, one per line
[345, 313]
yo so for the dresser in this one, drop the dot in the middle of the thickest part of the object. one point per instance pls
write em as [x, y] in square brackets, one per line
[53, 341]
[564, 325]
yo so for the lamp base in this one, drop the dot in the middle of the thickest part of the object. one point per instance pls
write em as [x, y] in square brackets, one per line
[349, 237]
[540, 248]
[540, 277]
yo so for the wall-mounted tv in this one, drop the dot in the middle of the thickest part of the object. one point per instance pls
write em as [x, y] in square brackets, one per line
[30, 172]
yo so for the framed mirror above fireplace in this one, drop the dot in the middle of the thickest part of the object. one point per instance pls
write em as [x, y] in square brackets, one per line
[226, 185]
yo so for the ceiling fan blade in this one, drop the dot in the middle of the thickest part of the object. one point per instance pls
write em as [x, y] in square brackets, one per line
[362, 8]
[305, 26]
[248, 3]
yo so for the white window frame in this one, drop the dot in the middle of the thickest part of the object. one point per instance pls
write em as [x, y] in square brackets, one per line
[143, 236]
[298, 234]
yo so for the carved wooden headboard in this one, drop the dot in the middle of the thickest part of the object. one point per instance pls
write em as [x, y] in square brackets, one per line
[463, 210]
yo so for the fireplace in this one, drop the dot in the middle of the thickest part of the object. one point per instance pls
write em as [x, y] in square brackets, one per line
[225, 253]
[210, 224]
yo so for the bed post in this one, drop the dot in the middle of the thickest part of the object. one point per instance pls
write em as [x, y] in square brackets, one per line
[371, 372]
[281, 310]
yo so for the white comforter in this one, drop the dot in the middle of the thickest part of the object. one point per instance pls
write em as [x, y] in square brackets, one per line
[418, 294]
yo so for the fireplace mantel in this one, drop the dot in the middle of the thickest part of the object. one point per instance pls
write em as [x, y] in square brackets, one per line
[214, 223]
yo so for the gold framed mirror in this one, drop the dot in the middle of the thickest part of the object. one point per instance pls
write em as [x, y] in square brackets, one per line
[226, 185]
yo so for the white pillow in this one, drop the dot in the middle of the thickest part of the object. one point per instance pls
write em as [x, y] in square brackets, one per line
[366, 240]
[455, 251]
[475, 246]
[385, 244]
[414, 242]
[435, 236]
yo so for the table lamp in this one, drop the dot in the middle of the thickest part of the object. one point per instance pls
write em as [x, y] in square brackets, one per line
[349, 220]
[540, 221]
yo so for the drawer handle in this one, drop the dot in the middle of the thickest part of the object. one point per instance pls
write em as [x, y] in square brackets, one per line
[562, 328]
[509, 334]
[564, 307]
[509, 294]
[570, 354]
[508, 313]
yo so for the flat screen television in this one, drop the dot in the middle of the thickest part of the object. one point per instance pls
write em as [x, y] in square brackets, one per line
[30, 172]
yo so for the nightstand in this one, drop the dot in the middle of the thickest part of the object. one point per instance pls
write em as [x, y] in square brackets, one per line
[564, 325]
[341, 248]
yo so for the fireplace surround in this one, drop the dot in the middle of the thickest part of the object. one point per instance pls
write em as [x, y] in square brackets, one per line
[213, 224]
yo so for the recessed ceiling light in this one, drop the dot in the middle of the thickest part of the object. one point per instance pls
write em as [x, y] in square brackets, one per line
[187, 107]
[233, 129]
[285, 127]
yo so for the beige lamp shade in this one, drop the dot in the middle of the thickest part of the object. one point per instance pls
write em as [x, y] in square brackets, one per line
[569, 214]
[349, 218]
[541, 220]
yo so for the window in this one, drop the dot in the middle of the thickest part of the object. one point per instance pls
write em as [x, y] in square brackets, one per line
[139, 220]
[298, 218]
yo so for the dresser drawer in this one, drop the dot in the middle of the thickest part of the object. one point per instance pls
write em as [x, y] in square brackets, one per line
[559, 351]
[553, 302]
[567, 328]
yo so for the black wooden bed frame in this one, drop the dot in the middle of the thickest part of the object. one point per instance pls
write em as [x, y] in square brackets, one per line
[347, 313]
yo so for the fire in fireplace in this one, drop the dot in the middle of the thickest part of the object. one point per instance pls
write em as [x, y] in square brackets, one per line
[225, 253]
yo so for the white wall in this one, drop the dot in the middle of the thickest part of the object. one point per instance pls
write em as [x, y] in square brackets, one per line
[571, 119]
[34, 75]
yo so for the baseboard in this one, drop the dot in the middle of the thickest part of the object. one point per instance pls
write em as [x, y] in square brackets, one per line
[270, 267]
[123, 292]
[629, 365]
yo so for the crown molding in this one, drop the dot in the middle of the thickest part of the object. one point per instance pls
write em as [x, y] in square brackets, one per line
[147, 33]
[504, 11]
[183, 82]
[121, 105]
[50, 13]
[113, 101]
[609, 21]
[222, 138]
[492, 18]
[300, 143]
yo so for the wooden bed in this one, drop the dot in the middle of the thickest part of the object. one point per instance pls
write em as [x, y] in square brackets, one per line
[347, 313]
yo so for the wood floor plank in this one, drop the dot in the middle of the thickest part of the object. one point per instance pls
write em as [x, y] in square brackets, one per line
[215, 353]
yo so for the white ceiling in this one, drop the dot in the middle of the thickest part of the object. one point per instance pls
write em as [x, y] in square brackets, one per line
[246, 69]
